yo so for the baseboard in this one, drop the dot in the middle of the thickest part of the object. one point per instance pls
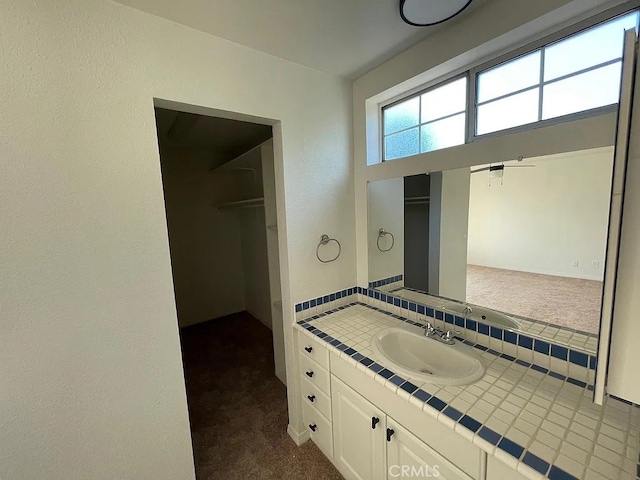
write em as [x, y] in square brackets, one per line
[298, 438]
[580, 276]
[282, 376]
[260, 319]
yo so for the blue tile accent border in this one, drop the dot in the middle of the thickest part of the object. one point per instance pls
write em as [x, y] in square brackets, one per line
[452, 413]
[535, 462]
[515, 338]
[489, 435]
[386, 281]
[558, 474]
[512, 448]
[468, 422]
[306, 305]
[436, 403]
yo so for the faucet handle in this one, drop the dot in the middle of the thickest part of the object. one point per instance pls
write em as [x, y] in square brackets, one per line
[428, 328]
[450, 334]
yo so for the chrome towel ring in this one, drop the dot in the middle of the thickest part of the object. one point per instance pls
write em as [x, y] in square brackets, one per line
[324, 240]
[383, 233]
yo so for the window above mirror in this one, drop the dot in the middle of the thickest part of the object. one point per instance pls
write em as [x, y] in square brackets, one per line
[573, 75]
[429, 121]
[578, 74]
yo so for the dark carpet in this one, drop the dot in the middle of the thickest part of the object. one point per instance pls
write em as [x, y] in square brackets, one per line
[238, 408]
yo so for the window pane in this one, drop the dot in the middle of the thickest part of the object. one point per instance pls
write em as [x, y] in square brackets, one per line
[446, 100]
[401, 116]
[510, 77]
[593, 89]
[509, 112]
[402, 144]
[443, 133]
[592, 47]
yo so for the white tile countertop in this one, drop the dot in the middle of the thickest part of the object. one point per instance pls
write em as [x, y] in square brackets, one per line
[563, 336]
[538, 422]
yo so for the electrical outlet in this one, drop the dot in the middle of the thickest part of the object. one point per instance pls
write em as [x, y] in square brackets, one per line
[595, 264]
[575, 263]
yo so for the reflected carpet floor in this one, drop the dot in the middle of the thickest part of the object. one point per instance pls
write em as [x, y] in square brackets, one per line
[568, 302]
[238, 407]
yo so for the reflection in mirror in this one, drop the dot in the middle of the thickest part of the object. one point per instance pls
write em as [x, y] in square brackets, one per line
[519, 244]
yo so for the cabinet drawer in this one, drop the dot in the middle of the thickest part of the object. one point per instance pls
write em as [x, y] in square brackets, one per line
[315, 397]
[315, 373]
[319, 429]
[310, 349]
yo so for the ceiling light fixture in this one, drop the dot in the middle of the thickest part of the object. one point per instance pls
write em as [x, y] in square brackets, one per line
[424, 13]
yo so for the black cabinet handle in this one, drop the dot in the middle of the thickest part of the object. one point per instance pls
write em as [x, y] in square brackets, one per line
[313, 427]
[312, 398]
[390, 433]
[374, 422]
[309, 349]
[309, 374]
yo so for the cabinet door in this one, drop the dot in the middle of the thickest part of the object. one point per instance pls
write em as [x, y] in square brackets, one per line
[496, 470]
[359, 431]
[408, 457]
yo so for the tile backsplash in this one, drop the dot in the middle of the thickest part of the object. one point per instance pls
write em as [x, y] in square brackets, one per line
[576, 364]
[389, 283]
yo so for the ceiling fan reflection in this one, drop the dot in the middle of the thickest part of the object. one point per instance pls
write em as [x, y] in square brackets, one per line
[497, 171]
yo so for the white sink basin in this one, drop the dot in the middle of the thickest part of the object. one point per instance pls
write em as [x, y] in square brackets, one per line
[415, 356]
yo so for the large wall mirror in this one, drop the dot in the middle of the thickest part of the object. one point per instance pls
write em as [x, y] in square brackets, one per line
[518, 244]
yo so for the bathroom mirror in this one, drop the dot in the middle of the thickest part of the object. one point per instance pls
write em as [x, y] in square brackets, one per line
[519, 244]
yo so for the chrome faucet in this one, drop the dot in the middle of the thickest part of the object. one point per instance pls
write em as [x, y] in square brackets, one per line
[429, 331]
[467, 310]
[447, 337]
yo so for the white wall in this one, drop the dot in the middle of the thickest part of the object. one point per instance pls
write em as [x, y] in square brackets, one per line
[255, 263]
[625, 348]
[454, 222]
[386, 210]
[205, 243]
[543, 219]
[273, 257]
[89, 352]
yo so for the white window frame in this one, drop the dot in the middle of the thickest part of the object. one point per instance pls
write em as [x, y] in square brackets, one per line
[472, 81]
[419, 125]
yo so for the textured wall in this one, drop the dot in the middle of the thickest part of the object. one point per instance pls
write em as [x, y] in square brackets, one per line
[543, 219]
[92, 383]
[206, 253]
[386, 210]
[255, 264]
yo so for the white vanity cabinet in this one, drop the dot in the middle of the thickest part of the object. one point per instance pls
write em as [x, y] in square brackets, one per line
[358, 434]
[316, 394]
[406, 451]
[363, 427]
[496, 470]
[369, 445]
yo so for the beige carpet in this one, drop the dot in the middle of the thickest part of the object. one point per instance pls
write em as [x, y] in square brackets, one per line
[238, 408]
[568, 302]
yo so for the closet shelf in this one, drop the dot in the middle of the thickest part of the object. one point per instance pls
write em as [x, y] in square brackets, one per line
[250, 203]
[417, 200]
[247, 162]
